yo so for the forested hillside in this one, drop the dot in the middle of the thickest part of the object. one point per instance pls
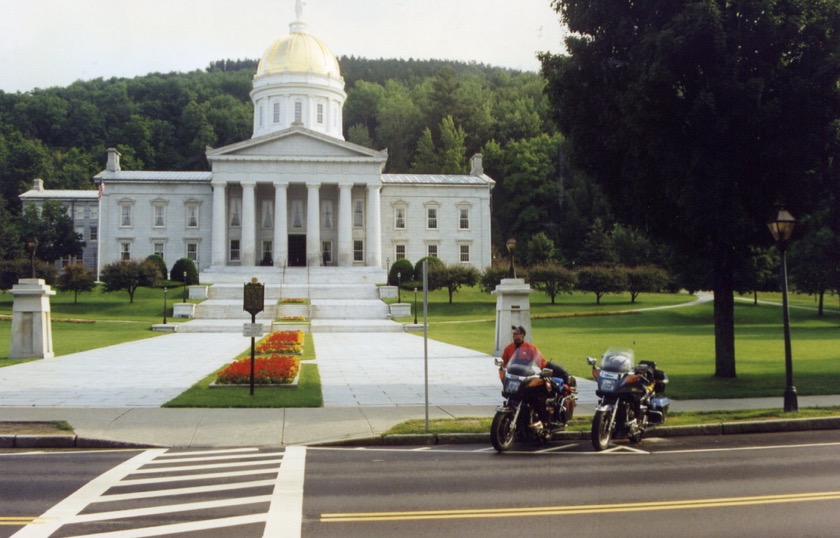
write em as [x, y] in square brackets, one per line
[430, 115]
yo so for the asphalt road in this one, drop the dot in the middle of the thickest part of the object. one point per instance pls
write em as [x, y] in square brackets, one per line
[785, 484]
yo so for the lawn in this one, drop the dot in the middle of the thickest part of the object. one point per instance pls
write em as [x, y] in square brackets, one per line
[680, 340]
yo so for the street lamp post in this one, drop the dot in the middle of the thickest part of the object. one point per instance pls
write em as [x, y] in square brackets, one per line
[415, 306]
[164, 305]
[511, 246]
[399, 285]
[185, 286]
[31, 246]
[781, 227]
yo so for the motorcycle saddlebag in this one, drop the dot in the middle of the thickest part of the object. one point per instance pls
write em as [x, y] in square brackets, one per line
[661, 379]
[660, 404]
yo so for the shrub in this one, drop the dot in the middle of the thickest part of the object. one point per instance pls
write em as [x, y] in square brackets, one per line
[158, 262]
[404, 268]
[434, 263]
[177, 274]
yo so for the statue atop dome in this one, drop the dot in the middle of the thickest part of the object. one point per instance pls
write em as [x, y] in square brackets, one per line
[299, 9]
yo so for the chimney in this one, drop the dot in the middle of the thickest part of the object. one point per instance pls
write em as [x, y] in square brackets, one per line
[113, 160]
[38, 184]
[476, 167]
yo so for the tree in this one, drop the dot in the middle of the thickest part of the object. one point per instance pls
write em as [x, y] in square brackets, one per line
[452, 151]
[597, 247]
[632, 247]
[710, 112]
[53, 228]
[645, 278]
[539, 249]
[128, 275]
[76, 278]
[814, 266]
[601, 280]
[552, 279]
[453, 276]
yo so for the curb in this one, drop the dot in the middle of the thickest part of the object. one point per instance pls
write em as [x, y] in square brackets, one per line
[724, 428]
[68, 440]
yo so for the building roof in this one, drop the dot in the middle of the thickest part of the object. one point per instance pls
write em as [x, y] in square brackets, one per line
[298, 52]
[36, 194]
[435, 179]
[152, 176]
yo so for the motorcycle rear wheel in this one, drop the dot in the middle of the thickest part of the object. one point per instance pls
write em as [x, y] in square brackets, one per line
[601, 430]
[502, 431]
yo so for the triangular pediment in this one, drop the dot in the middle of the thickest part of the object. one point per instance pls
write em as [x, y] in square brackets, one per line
[296, 143]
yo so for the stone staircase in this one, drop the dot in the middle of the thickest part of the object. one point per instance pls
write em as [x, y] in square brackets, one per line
[331, 299]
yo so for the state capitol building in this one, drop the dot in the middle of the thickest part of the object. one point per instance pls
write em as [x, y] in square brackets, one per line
[294, 194]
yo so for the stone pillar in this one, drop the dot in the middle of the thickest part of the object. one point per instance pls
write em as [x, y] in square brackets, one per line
[281, 223]
[249, 231]
[345, 225]
[31, 324]
[219, 252]
[313, 225]
[513, 308]
[373, 237]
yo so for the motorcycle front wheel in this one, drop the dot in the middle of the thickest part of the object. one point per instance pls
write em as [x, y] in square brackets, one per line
[601, 432]
[502, 431]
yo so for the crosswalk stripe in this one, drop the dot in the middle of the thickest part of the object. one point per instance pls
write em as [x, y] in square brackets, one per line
[167, 509]
[164, 530]
[119, 497]
[224, 465]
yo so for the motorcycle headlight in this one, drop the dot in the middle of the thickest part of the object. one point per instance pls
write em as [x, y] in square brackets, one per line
[608, 385]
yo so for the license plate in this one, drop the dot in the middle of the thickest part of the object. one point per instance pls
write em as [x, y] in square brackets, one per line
[609, 375]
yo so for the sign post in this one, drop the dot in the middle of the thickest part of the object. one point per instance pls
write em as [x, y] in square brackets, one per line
[254, 304]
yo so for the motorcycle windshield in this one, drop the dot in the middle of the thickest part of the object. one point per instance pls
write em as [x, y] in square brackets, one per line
[618, 359]
[523, 367]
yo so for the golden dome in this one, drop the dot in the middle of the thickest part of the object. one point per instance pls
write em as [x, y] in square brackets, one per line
[298, 52]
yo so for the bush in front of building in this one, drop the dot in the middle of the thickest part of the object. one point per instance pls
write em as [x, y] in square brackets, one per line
[181, 266]
[158, 262]
[404, 268]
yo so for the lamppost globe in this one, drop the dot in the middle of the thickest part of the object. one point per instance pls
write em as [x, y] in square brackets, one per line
[781, 228]
[399, 286]
[31, 245]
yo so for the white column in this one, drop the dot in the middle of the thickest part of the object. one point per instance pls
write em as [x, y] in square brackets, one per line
[281, 223]
[313, 225]
[219, 253]
[345, 225]
[249, 230]
[373, 237]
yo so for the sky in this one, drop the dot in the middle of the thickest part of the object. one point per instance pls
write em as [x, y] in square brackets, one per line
[46, 43]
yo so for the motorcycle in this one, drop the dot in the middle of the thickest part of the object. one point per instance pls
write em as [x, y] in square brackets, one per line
[630, 397]
[538, 404]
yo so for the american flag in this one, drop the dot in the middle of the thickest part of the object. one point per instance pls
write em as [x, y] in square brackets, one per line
[101, 190]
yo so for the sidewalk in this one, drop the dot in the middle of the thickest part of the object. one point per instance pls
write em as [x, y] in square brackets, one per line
[370, 381]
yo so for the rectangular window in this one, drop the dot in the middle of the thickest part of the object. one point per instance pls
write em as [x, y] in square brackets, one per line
[399, 252]
[94, 233]
[276, 112]
[358, 214]
[80, 231]
[431, 218]
[261, 109]
[235, 212]
[297, 214]
[192, 251]
[464, 221]
[465, 253]
[94, 213]
[125, 250]
[159, 222]
[159, 249]
[433, 251]
[267, 253]
[80, 213]
[125, 212]
[358, 251]
[192, 216]
[298, 112]
[320, 113]
[326, 252]
[268, 214]
[327, 214]
[399, 221]
[234, 250]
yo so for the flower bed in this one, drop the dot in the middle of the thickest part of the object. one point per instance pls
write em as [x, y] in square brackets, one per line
[282, 342]
[271, 370]
[292, 300]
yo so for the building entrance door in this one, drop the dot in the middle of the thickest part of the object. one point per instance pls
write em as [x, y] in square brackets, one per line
[297, 251]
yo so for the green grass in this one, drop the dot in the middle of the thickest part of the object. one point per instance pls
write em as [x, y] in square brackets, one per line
[680, 340]
[482, 424]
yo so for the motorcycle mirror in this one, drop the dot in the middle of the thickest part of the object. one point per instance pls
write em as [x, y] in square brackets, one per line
[497, 361]
[590, 361]
[546, 372]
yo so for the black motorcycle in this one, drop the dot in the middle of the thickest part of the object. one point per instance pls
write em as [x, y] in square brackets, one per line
[538, 404]
[630, 397]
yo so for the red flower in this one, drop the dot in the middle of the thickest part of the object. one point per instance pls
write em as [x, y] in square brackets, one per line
[274, 369]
